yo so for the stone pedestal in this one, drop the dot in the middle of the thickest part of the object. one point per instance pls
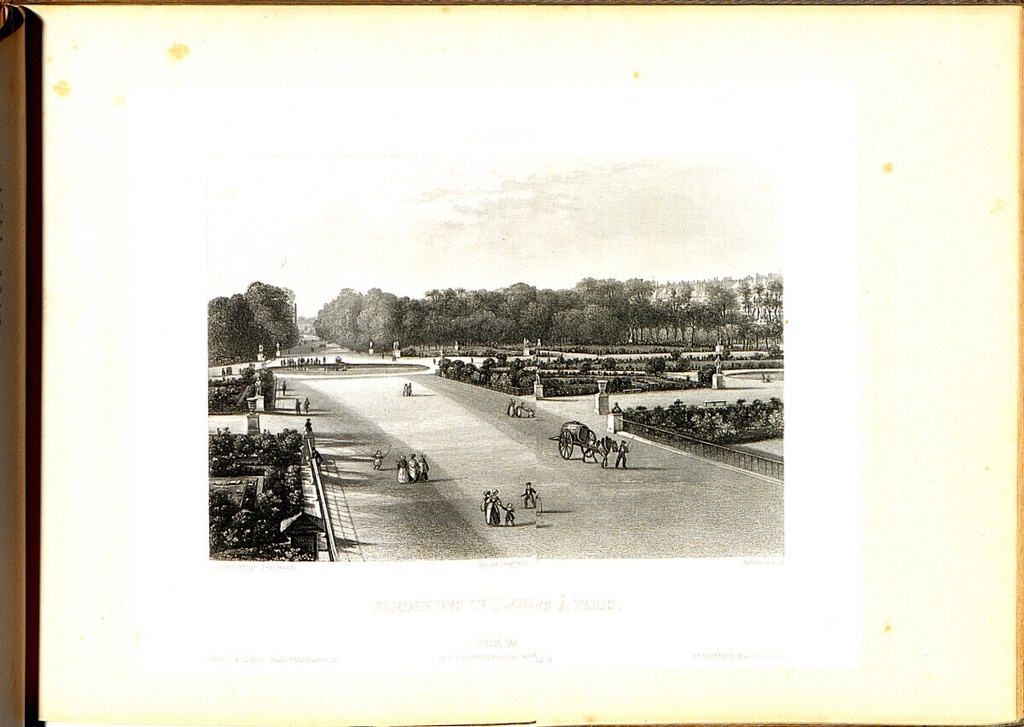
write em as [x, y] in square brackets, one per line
[252, 423]
[718, 381]
[615, 421]
[538, 389]
[601, 398]
[398, 353]
[370, 351]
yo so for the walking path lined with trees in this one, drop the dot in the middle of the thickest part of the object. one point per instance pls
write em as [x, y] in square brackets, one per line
[665, 505]
[472, 446]
[649, 345]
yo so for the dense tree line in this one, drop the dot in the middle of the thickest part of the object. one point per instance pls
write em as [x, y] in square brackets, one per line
[238, 324]
[592, 312]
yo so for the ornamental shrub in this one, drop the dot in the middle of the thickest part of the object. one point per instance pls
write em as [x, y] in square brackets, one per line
[655, 366]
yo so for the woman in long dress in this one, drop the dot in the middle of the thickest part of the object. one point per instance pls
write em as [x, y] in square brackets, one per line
[485, 507]
[403, 471]
[414, 469]
[494, 516]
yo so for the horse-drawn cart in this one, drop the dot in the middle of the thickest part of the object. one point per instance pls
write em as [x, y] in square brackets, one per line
[577, 434]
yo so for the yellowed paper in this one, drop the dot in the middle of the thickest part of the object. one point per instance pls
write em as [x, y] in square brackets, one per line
[893, 134]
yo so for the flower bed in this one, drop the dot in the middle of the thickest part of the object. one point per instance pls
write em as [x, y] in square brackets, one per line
[514, 379]
[731, 424]
[228, 396]
[249, 524]
[557, 385]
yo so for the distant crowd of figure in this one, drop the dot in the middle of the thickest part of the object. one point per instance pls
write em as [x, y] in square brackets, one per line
[492, 506]
[519, 409]
[411, 470]
[311, 361]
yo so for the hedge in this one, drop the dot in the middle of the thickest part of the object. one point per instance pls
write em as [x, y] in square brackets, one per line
[228, 396]
[731, 424]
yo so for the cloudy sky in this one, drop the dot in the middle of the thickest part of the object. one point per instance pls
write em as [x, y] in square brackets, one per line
[413, 188]
[409, 223]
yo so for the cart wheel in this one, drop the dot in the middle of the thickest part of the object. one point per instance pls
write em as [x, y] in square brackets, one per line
[565, 444]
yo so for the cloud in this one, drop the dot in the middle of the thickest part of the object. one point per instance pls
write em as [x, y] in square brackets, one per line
[647, 210]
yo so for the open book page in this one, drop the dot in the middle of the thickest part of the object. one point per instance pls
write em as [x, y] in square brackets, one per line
[12, 365]
[341, 155]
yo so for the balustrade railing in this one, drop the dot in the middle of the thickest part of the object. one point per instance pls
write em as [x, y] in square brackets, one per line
[772, 467]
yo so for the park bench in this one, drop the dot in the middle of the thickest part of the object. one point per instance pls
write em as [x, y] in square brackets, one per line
[714, 404]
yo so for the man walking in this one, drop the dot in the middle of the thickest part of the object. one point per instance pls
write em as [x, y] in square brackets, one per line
[623, 451]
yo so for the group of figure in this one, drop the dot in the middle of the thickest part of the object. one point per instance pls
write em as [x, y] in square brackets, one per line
[492, 506]
[301, 405]
[518, 409]
[407, 389]
[410, 470]
[312, 361]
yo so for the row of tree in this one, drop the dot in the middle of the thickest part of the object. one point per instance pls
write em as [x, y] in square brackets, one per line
[238, 325]
[593, 312]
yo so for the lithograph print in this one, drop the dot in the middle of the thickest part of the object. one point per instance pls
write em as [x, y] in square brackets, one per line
[454, 358]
